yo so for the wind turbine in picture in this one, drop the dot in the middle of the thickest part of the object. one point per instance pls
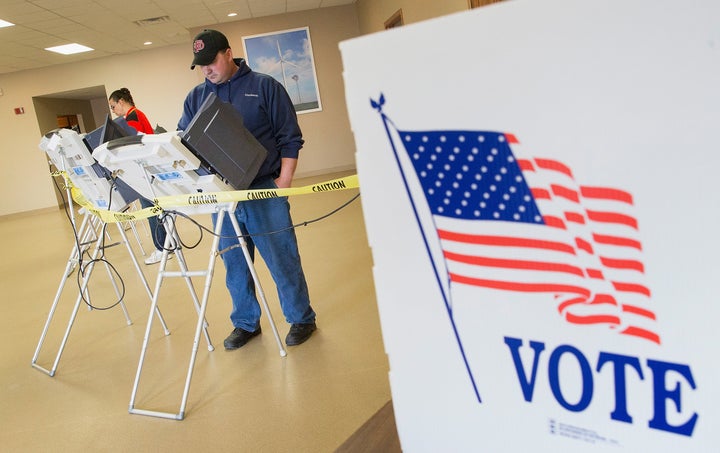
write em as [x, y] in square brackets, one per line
[283, 62]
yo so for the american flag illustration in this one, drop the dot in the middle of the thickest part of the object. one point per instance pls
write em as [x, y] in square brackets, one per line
[526, 225]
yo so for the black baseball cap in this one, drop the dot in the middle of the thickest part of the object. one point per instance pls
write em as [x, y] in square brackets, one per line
[206, 45]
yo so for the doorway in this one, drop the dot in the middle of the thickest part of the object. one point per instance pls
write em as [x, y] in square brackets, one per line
[72, 121]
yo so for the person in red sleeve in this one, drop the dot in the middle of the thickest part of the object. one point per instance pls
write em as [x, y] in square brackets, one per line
[122, 104]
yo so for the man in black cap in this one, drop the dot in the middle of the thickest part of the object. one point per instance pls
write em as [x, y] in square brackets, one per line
[268, 113]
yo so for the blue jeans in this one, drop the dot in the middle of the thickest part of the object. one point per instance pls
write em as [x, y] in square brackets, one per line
[157, 231]
[129, 195]
[280, 252]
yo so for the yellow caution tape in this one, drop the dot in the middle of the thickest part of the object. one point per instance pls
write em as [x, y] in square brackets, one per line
[205, 198]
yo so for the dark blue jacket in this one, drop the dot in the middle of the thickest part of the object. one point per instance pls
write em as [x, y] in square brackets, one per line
[266, 108]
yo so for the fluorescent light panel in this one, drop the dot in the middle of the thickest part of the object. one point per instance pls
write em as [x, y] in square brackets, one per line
[69, 49]
[4, 23]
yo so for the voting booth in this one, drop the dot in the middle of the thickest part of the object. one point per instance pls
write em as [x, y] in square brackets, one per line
[215, 154]
[70, 153]
[538, 190]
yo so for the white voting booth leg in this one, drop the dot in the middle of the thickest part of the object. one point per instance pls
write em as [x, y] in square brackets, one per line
[86, 235]
[172, 241]
[91, 232]
[131, 223]
[82, 295]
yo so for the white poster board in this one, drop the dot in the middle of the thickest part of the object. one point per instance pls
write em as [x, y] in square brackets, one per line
[537, 180]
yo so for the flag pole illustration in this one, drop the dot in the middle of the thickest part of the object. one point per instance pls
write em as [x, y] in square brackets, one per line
[441, 283]
[495, 222]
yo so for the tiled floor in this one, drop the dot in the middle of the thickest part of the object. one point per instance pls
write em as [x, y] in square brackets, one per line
[250, 399]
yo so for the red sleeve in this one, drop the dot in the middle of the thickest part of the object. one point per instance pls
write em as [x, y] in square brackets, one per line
[137, 119]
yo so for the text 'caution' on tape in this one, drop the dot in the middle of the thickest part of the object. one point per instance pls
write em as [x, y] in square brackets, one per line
[206, 198]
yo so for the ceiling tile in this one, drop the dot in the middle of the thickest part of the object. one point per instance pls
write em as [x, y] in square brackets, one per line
[109, 27]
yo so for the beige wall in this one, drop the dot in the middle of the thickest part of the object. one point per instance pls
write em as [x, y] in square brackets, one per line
[159, 79]
[372, 14]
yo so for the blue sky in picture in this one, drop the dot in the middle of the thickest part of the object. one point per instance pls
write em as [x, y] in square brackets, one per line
[286, 56]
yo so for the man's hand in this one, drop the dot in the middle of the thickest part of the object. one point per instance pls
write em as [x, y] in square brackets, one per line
[287, 171]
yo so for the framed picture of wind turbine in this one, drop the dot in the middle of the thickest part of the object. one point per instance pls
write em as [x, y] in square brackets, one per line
[287, 56]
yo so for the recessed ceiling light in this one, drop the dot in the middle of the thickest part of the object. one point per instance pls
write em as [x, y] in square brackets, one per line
[147, 43]
[4, 23]
[69, 49]
[232, 14]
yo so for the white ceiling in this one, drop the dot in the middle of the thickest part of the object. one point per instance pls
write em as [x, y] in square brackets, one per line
[114, 27]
